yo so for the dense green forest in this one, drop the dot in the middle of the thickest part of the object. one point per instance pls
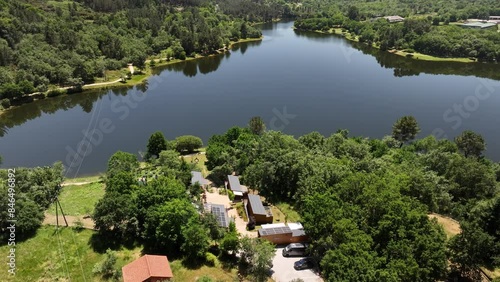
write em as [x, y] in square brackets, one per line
[426, 29]
[364, 202]
[68, 43]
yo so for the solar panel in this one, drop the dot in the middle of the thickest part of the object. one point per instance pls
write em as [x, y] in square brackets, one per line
[219, 211]
[274, 231]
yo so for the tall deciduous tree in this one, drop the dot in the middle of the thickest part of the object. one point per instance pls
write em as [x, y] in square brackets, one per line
[405, 129]
[156, 144]
[470, 143]
[258, 255]
[122, 161]
[257, 125]
[196, 240]
[187, 143]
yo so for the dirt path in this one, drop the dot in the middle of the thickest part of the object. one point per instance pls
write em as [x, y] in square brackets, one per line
[77, 183]
[241, 225]
[50, 219]
[102, 83]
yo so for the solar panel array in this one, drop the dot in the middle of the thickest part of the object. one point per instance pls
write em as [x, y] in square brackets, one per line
[275, 231]
[220, 213]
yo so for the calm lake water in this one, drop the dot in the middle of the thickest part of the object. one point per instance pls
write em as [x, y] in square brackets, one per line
[297, 82]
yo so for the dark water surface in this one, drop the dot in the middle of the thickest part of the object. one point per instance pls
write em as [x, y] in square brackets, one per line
[297, 82]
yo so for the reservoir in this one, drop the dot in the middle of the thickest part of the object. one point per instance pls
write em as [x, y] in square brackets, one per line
[297, 82]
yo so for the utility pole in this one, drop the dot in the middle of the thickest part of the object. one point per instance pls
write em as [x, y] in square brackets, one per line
[58, 206]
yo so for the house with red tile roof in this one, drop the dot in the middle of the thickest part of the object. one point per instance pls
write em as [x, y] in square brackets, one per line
[148, 268]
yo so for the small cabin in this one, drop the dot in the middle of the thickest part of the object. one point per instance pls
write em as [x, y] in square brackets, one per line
[240, 192]
[148, 268]
[262, 214]
[282, 234]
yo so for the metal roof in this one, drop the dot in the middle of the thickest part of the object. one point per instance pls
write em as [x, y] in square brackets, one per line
[256, 204]
[196, 176]
[478, 24]
[274, 231]
[298, 232]
[273, 225]
[234, 183]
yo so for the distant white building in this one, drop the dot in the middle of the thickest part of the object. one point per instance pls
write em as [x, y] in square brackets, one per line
[394, 19]
[494, 19]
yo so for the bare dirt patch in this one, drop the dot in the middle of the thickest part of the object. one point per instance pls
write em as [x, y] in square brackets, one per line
[51, 219]
[450, 226]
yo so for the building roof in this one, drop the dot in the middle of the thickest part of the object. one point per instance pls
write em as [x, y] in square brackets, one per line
[196, 176]
[295, 226]
[146, 267]
[273, 225]
[478, 25]
[274, 231]
[256, 204]
[298, 233]
[220, 214]
[234, 183]
[394, 18]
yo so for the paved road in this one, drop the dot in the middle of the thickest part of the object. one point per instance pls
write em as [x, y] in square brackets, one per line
[283, 270]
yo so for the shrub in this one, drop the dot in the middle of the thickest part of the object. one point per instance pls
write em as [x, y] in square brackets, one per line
[230, 195]
[5, 103]
[182, 55]
[56, 92]
[204, 279]
[106, 267]
[211, 259]
[78, 225]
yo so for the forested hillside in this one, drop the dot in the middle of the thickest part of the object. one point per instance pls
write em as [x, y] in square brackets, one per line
[426, 30]
[68, 43]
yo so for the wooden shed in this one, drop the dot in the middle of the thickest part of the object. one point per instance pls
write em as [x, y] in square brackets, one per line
[257, 210]
[240, 192]
[281, 234]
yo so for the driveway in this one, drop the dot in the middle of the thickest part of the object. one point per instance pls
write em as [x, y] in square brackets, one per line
[241, 225]
[283, 270]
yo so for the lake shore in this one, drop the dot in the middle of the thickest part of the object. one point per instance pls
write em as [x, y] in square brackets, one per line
[402, 53]
[115, 81]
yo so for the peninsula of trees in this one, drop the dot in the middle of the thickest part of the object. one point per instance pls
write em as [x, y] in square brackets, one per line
[364, 203]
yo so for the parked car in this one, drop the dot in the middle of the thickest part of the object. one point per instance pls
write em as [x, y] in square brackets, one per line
[295, 249]
[305, 263]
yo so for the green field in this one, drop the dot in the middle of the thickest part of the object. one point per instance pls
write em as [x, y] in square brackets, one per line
[288, 212]
[94, 178]
[68, 256]
[79, 200]
[58, 256]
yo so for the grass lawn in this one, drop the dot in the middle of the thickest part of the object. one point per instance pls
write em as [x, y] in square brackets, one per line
[202, 159]
[79, 200]
[291, 214]
[182, 273]
[59, 256]
[241, 211]
[278, 216]
[67, 256]
[423, 57]
[94, 178]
